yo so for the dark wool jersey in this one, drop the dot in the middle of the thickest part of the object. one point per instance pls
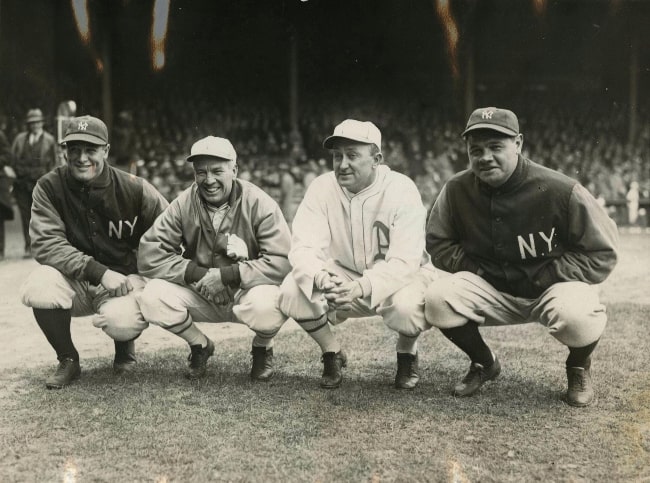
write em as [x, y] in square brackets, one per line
[539, 228]
[81, 229]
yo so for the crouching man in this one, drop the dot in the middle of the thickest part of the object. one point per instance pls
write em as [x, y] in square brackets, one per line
[358, 250]
[524, 243]
[217, 254]
[86, 222]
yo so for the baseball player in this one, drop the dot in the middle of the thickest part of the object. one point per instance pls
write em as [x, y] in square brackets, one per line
[233, 258]
[524, 243]
[358, 250]
[87, 219]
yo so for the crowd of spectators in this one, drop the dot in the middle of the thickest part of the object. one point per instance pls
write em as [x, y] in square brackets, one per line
[151, 138]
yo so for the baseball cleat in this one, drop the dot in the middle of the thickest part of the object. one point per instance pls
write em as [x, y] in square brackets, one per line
[333, 362]
[67, 371]
[262, 368]
[580, 392]
[199, 360]
[476, 377]
[407, 376]
[124, 357]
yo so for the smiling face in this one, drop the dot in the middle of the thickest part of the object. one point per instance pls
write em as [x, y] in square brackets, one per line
[85, 160]
[214, 177]
[355, 164]
[493, 156]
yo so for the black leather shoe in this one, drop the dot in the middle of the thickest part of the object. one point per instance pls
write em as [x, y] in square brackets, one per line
[124, 357]
[262, 368]
[67, 371]
[199, 360]
[333, 362]
[476, 377]
[407, 376]
[580, 392]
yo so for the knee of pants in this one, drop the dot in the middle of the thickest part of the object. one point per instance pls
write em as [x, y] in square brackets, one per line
[47, 288]
[293, 303]
[403, 312]
[120, 319]
[258, 309]
[437, 310]
[576, 321]
[158, 305]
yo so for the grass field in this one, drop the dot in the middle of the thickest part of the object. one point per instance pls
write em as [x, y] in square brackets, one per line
[154, 425]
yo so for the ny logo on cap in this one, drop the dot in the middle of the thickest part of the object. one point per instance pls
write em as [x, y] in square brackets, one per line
[82, 126]
[487, 114]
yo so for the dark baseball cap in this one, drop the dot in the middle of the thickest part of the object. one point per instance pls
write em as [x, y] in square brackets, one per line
[87, 129]
[493, 118]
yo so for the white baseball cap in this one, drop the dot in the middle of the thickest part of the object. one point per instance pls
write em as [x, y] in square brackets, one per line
[360, 131]
[212, 146]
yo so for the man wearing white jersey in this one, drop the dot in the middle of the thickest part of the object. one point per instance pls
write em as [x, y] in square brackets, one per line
[358, 250]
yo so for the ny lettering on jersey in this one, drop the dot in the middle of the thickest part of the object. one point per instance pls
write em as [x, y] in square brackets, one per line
[528, 247]
[116, 231]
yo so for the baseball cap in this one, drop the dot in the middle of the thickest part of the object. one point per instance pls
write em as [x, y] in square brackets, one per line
[212, 146]
[361, 131]
[34, 115]
[493, 118]
[87, 129]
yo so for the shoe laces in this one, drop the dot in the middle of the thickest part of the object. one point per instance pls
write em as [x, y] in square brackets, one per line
[406, 364]
[63, 366]
[578, 380]
[196, 355]
[329, 361]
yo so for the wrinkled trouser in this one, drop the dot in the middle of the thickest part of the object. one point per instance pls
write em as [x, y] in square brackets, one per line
[571, 311]
[402, 312]
[175, 307]
[119, 317]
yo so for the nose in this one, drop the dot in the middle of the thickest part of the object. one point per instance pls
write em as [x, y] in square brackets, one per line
[345, 162]
[486, 155]
[83, 154]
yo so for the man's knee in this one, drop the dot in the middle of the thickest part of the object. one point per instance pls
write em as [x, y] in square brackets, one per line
[47, 288]
[120, 318]
[155, 302]
[259, 309]
[403, 312]
[437, 309]
[574, 314]
[293, 303]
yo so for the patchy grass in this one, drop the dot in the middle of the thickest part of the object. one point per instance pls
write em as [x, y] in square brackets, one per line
[154, 425]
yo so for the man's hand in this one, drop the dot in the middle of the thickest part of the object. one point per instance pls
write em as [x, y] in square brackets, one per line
[211, 284]
[236, 248]
[222, 298]
[341, 295]
[115, 283]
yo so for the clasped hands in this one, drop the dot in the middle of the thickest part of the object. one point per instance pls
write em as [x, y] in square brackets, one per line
[339, 293]
[212, 288]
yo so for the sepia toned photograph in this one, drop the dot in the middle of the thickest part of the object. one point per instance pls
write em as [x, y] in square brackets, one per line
[324, 241]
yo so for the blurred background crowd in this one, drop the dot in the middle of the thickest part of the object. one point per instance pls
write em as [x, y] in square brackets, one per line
[152, 139]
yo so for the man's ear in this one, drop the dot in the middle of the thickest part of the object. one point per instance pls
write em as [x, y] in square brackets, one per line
[108, 148]
[378, 159]
[519, 140]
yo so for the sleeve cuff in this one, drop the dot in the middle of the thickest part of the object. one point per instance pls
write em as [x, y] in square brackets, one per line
[94, 272]
[230, 275]
[194, 273]
[366, 286]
